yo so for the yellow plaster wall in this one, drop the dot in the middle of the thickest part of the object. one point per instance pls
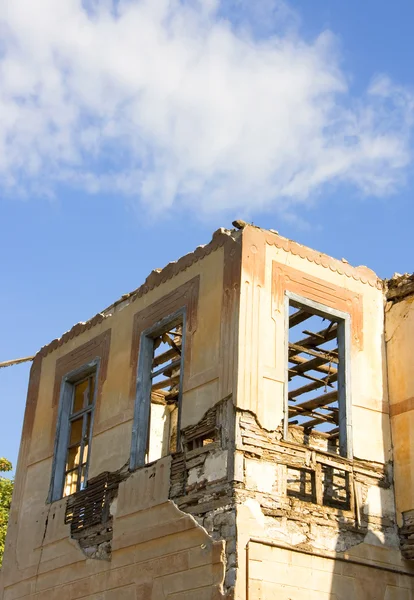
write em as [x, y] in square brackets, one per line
[116, 402]
[282, 574]
[262, 339]
[158, 554]
[116, 405]
[41, 560]
[400, 346]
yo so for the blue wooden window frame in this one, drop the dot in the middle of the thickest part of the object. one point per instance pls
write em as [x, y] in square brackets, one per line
[64, 422]
[140, 427]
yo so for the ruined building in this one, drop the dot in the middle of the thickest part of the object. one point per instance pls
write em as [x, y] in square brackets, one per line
[241, 426]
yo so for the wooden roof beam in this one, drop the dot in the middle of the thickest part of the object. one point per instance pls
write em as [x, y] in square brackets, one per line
[164, 357]
[170, 382]
[298, 317]
[327, 381]
[315, 364]
[298, 349]
[316, 402]
[320, 337]
[317, 420]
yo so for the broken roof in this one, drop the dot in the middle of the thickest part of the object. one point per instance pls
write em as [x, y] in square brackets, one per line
[220, 236]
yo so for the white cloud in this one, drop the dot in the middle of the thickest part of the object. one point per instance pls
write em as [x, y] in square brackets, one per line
[169, 103]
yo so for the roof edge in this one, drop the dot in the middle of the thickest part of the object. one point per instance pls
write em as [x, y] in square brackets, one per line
[219, 238]
[154, 279]
[341, 266]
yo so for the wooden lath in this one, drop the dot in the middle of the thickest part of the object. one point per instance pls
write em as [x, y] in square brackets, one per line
[90, 506]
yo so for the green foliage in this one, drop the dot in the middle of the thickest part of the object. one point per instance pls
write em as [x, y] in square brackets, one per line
[6, 489]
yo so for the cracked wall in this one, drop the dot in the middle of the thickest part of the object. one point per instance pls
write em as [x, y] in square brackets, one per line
[142, 545]
[296, 501]
[309, 499]
[239, 512]
[199, 486]
[201, 479]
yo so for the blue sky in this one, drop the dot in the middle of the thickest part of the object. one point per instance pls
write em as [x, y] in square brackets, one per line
[131, 135]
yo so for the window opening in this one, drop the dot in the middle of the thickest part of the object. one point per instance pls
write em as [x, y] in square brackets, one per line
[80, 422]
[166, 369]
[200, 441]
[316, 367]
[300, 483]
[336, 487]
[74, 431]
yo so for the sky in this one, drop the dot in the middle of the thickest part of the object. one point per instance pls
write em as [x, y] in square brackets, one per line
[131, 129]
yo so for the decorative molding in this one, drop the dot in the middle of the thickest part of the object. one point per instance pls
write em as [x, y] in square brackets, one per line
[185, 295]
[219, 239]
[69, 335]
[361, 273]
[96, 347]
[326, 293]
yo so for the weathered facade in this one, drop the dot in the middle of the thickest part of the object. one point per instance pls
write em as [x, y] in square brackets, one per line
[238, 427]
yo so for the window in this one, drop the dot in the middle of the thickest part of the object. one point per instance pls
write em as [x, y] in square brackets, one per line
[74, 431]
[159, 389]
[317, 395]
[80, 422]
